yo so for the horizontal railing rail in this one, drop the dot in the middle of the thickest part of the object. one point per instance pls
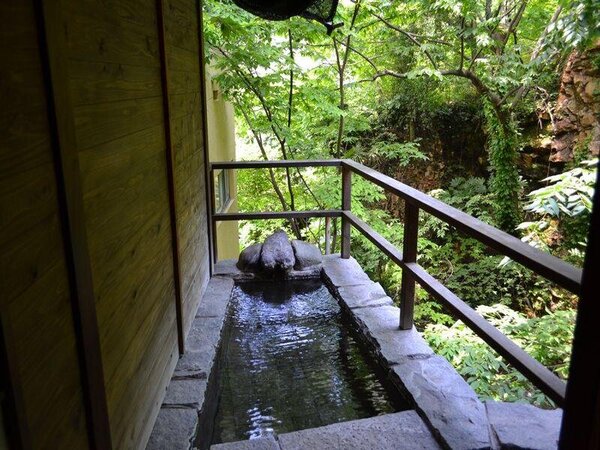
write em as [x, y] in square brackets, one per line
[278, 215]
[546, 265]
[277, 164]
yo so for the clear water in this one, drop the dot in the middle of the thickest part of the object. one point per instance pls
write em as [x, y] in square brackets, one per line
[289, 361]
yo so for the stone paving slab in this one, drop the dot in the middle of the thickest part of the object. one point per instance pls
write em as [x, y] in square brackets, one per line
[205, 332]
[344, 272]
[381, 325]
[177, 421]
[439, 393]
[174, 429]
[519, 425]
[185, 391]
[216, 298]
[447, 402]
[226, 267]
[363, 296]
[404, 430]
[264, 443]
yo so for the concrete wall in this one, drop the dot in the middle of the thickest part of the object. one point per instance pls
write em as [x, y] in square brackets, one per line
[221, 145]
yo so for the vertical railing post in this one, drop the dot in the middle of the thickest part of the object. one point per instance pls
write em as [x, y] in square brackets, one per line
[346, 206]
[409, 255]
[211, 180]
[327, 235]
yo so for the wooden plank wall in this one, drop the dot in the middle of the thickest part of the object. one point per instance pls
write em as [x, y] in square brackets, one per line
[118, 110]
[116, 105]
[183, 67]
[35, 301]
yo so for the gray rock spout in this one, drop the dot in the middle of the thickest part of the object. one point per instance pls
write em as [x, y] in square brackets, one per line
[279, 258]
[277, 255]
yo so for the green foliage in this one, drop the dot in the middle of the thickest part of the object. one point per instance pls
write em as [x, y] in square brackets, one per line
[561, 213]
[548, 339]
[401, 152]
[382, 90]
[569, 193]
[470, 195]
[505, 182]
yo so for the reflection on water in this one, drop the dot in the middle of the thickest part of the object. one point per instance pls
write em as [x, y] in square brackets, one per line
[289, 362]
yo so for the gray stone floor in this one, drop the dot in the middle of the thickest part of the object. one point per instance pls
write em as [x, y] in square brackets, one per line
[446, 408]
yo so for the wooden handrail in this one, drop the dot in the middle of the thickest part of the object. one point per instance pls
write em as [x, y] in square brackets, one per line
[544, 264]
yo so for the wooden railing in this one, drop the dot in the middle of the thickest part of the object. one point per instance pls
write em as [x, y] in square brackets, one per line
[548, 266]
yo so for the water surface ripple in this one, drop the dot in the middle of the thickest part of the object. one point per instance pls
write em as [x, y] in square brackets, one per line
[289, 360]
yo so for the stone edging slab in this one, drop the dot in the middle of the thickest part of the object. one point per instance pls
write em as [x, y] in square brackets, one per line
[440, 395]
[188, 395]
[404, 430]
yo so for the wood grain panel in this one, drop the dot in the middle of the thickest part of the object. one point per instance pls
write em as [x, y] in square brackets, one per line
[25, 142]
[107, 82]
[183, 64]
[102, 122]
[184, 105]
[182, 25]
[116, 89]
[35, 300]
[98, 33]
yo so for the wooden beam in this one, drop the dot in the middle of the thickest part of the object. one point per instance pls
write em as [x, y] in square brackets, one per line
[276, 164]
[327, 235]
[212, 213]
[546, 265]
[581, 418]
[210, 223]
[378, 240]
[277, 215]
[164, 73]
[53, 52]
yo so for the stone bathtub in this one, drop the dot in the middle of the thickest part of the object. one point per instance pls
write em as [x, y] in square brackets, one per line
[439, 410]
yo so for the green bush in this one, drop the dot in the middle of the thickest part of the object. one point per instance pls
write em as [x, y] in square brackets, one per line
[548, 339]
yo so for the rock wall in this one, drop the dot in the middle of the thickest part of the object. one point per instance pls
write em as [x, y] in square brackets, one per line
[577, 113]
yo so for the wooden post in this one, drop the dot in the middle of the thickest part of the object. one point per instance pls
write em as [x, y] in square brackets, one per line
[211, 230]
[170, 177]
[211, 213]
[346, 206]
[581, 418]
[409, 254]
[327, 235]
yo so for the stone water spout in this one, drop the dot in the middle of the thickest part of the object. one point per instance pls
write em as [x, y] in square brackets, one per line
[277, 257]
